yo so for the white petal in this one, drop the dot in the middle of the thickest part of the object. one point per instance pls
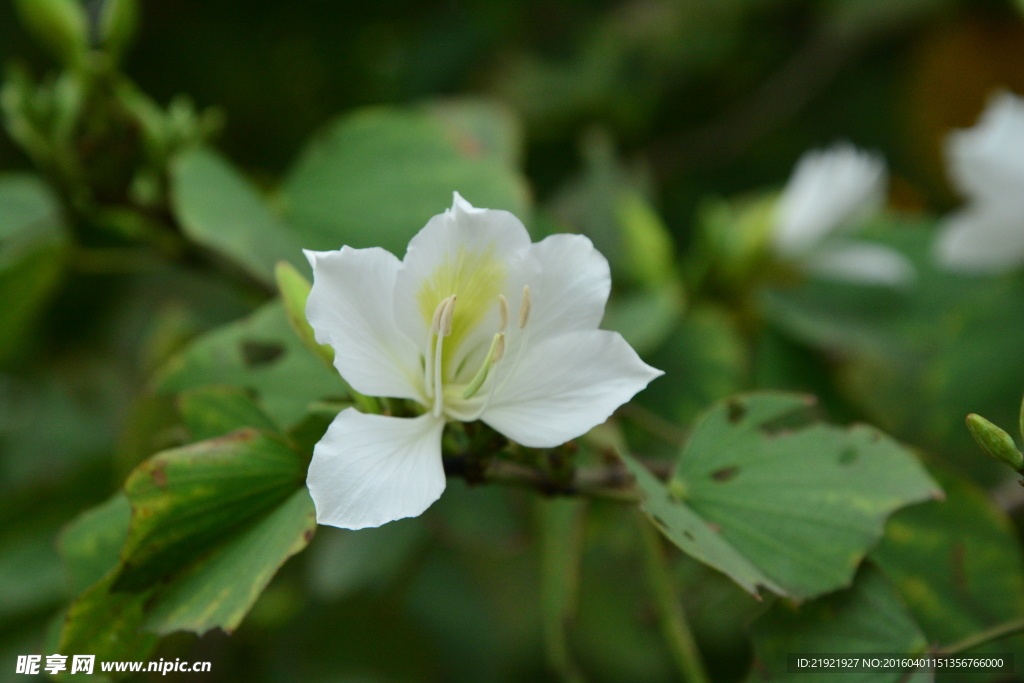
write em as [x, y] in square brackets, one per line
[572, 289]
[565, 385]
[982, 239]
[829, 190]
[862, 262]
[447, 237]
[986, 162]
[351, 308]
[371, 469]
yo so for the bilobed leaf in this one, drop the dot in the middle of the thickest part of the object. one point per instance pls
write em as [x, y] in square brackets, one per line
[957, 564]
[221, 588]
[866, 618]
[693, 535]
[218, 208]
[213, 411]
[774, 503]
[186, 500]
[374, 178]
[260, 353]
[90, 545]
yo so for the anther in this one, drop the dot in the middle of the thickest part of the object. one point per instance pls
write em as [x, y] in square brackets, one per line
[445, 323]
[524, 308]
[435, 323]
[503, 308]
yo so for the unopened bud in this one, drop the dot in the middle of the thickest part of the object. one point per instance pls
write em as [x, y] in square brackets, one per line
[995, 441]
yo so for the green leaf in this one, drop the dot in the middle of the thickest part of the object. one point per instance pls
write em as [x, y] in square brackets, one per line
[374, 178]
[957, 564]
[561, 526]
[107, 623]
[214, 411]
[866, 618]
[221, 588]
[261, 354]
[187, 499]
[32, 247]
[90, 545]
[693, 535]
[218, 208]
[482, 128]
[771, 501]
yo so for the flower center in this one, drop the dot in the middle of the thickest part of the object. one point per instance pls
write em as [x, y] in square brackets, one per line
[441, 328]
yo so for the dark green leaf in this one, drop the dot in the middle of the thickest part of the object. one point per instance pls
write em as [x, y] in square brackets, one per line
[260, 353]
[221, 588]
[216, 410]
[218, 208]
[186, 500]
[374, 178]
[771, 501]
[91, 544]
[866, 618]
[107, 623]
[957, 564]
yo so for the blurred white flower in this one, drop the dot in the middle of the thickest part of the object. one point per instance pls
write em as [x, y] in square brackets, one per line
[986, 163]
[833, 192]
[475, 323]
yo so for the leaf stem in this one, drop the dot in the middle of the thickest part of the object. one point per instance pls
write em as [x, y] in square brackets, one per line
[673, 620]
[995, 633]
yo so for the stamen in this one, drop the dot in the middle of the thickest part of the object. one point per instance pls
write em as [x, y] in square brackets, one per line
[503, 307]
[440, 326]
[524, 308]
[494, 354]
[445, 323]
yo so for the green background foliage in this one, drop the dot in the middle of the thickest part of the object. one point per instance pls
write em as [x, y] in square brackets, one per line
[158, 408]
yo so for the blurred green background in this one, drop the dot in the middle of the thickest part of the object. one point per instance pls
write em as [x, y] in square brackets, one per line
[687, 101]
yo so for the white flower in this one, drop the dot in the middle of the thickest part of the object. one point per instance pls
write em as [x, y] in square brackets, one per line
[832, 192]
[986, 164]
[475, 323]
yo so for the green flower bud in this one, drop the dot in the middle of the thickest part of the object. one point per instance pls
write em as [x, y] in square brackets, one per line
[995, 441]
[60, 25]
